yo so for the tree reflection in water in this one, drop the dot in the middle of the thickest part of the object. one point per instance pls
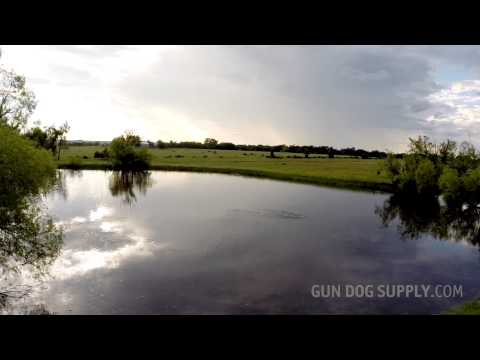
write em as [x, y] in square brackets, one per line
[426, 216]
[29, 242]
[60, 184]
[126, 183]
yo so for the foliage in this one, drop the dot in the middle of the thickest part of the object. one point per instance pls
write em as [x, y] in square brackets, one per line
[450, 185]
[25, 170]
[101, 154]
[28, 237]
[125, 154]
[426, 177]
[210, 143]
[437, 169]
[51, 138]
[131, 139]
[17, 102]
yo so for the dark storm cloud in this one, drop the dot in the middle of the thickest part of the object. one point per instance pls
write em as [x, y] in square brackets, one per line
[339, 95]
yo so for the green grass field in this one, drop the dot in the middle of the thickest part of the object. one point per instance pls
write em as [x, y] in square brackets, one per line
[339, 172]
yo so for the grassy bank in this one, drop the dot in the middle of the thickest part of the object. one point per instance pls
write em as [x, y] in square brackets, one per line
[338, 172]
[469, 308]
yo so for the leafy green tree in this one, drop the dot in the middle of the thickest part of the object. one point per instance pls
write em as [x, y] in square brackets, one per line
[435, 169]
[450, 185]
[422, 146]
[28, 237]
[17, 102]
[125, 155]
[132, 139]
[52, 138]
[471, 184]
[392, 167]
[426, 178]
[210, 143]
[446, 151]
[25, 170]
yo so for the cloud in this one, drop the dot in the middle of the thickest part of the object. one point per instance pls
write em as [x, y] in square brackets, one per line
[364, 96]
[331, 95]
[457, 111]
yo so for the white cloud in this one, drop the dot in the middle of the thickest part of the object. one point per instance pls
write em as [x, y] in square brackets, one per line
[457, 111]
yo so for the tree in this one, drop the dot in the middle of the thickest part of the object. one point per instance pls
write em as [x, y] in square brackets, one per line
[450, 185]
[226, 146]
[446, 150]
[26, 236]
[132, 139]
[17, 102]
[426, 178]
[125, 155]
[210, 143]
[422, 146]
[51, 138]
[331, 153]
[274, 149]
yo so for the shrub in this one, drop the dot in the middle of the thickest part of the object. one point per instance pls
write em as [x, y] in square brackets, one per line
[101, 154]
[24, 169]
[125, 155]
[471, 183]
[450, 185]
[426, 178]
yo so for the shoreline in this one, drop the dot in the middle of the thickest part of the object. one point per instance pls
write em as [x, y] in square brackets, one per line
[301, 179]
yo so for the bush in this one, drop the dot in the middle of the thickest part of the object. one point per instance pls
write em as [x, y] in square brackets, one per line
[450, 185]
[101, 154]
[471, 183]
[125, 155]
[426, 178]
[24, 169]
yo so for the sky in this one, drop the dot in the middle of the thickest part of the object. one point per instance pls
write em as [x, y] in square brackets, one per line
[371, 97]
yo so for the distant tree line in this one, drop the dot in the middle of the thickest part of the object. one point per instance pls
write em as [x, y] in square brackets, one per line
[210, 143]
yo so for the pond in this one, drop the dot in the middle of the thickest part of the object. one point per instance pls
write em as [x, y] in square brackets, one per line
[190, 243]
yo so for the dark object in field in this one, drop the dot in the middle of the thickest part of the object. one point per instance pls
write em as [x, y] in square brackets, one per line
[85, 156]
[205, 156]
[101, 154]
[179, 156]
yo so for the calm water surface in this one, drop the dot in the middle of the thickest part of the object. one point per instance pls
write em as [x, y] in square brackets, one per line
[186, 243]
